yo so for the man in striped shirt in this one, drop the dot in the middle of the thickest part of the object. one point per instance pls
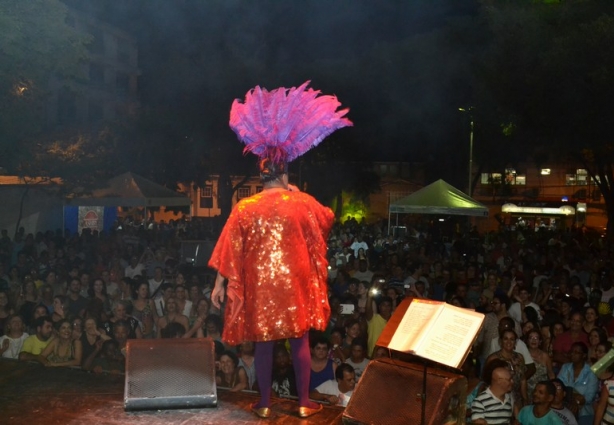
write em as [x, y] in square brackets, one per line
[495, 405]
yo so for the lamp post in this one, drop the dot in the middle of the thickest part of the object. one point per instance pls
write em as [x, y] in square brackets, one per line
[468, 110]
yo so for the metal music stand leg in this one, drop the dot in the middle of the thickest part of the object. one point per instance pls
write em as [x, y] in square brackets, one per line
[423, 420]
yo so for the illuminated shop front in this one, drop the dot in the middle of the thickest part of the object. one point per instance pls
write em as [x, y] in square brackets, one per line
[548, 215]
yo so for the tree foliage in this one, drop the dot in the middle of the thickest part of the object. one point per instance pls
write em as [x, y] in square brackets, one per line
[550, 69]
[36, 43]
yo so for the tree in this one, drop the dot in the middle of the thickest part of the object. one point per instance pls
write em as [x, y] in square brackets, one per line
[36, 43]
[550, 67]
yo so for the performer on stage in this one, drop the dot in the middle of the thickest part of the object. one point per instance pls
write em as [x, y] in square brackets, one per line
[272, 249]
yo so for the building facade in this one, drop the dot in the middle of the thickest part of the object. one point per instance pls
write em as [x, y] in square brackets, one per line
[110, 90]
[397, 179]
[555, 195]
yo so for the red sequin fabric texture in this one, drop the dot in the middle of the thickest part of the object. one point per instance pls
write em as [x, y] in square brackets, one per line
[272, 250]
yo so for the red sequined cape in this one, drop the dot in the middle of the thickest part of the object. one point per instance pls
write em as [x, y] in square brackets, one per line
[272, 250]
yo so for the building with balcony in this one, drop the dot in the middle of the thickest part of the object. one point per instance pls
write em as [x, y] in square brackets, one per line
[397, 179]
[558, 195]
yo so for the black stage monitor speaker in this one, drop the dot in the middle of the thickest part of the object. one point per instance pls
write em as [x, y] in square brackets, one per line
[170, 373]
[389, 392]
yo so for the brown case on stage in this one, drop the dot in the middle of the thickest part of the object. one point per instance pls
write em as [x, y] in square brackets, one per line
[389, 392]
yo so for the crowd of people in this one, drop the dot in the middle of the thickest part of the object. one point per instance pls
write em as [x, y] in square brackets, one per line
[75, 301]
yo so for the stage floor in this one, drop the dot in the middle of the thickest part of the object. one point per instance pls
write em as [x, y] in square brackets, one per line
[33, 394]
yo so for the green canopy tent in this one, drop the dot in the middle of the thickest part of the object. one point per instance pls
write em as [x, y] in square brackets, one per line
[437, 198]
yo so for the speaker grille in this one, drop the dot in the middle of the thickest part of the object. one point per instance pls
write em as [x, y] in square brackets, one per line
[389, 392]
[170, 373]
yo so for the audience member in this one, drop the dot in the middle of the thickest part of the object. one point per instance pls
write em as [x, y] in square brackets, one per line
[34, 345]
[595, 337]
[516, 310]
[558, 404]
[322, 367]
[561, 347]
[541, 359]
[121, 331]
[90, 336]
[6, 310]
[515, 361]
[540, 412]
[156, 281]
[183, 304]
[357, 358]
[494, 405]
[246, 361]
[63, 350]
[377, 320]
[106, 358]
[230, 375]
[578, 375]
[11, 342]
[76, 302]
[507, 323]
[172, 315]
[135, 268]
[336, 391]
[284, 380]
[492, 325]
[143, 310]
[120, 313]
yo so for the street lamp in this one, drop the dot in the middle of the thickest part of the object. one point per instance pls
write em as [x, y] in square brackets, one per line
[469, 111]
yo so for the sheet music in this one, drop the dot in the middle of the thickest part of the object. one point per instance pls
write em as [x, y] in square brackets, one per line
[450, 336]
[414, 322]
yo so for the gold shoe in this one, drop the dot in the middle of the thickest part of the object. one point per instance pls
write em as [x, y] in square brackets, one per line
[261, 412]
[305, 412]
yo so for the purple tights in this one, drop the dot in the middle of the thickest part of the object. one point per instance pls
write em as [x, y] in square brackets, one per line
[301, 359]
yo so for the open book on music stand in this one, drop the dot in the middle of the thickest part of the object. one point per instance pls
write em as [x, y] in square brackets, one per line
[433, 331]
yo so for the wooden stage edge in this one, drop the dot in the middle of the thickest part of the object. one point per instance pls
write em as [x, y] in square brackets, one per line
[33, 394]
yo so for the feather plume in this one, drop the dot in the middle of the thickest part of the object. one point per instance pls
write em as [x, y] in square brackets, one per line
[283, 124]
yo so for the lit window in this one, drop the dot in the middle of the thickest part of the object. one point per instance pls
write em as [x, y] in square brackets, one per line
[207, 191]
[243, 192]
[581, 176]
[521, 179]
[545, 171]
[491, 178]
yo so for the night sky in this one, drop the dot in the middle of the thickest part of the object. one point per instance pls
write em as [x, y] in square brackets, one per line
[392, 63]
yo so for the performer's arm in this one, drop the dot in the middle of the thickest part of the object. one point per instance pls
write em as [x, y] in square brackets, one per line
[217, 295]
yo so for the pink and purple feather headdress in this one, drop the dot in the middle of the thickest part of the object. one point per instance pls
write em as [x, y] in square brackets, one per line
[283, 124]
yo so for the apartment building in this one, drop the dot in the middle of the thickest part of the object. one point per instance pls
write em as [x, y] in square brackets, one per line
[110, 90]
[557, 195]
